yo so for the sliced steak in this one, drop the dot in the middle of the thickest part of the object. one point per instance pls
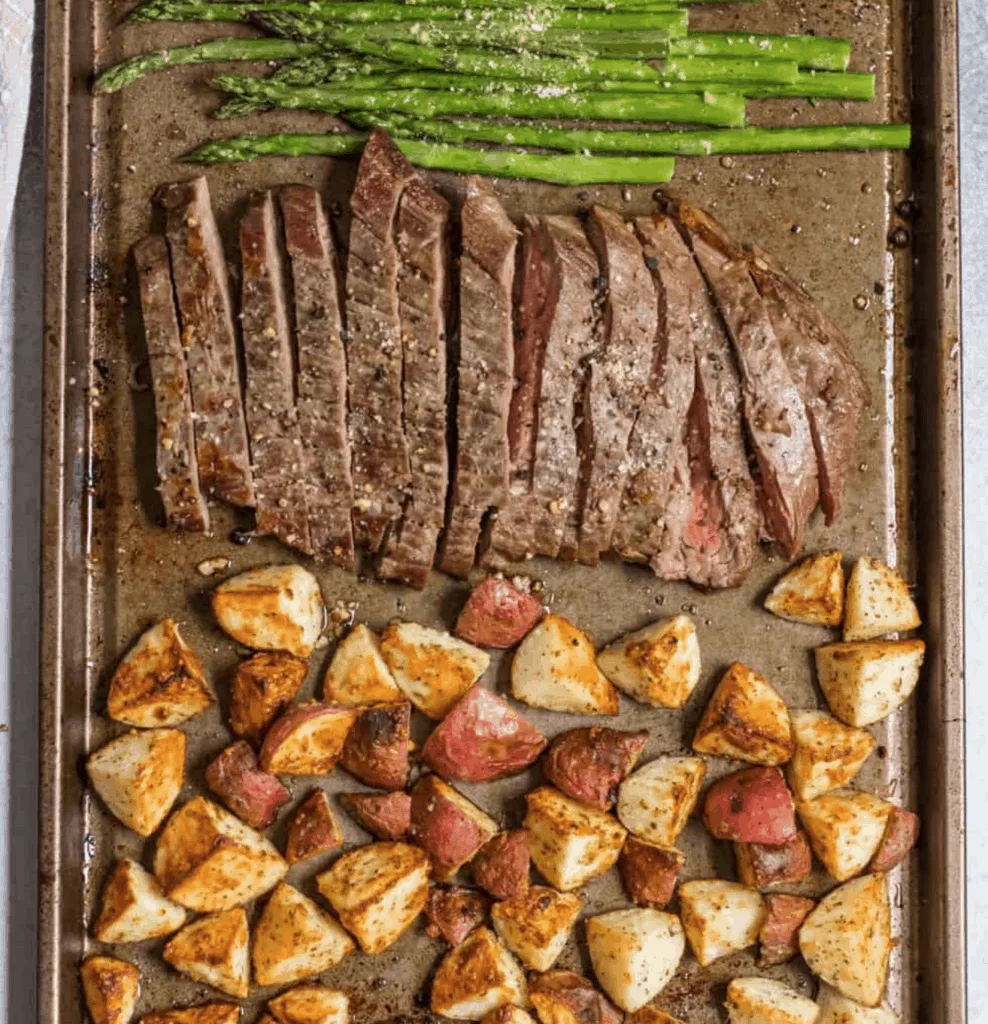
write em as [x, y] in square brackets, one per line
[379, 450]
[322, 408]
[272, 418]
[656, 502]
[423, 296]
[203, 292]
[619, 377]
[774, 412]
[486, 374]
[823, 368]
[178, 468]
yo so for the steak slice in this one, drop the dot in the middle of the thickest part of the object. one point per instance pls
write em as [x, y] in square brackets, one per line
[656, 502]
[618, 379]
[823, 368]
[774, 412]
[379, 450]
[271, 414]
[175, 458]
[486, 374]
[203, 293]
[322, 410]
[423, 295]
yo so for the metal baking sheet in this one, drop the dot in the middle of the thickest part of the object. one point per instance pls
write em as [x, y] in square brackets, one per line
[109, 569]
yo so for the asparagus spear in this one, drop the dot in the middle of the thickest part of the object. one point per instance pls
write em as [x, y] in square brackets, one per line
[819, 52]
[709, 109]
[819, 85]
[249, 147]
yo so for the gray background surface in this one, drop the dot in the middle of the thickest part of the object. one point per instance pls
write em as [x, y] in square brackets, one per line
[20, 405]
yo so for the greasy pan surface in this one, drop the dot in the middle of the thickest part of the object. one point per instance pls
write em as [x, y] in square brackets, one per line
[109, 570]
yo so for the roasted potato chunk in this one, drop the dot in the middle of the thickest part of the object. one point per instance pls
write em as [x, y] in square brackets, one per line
[476, 977]
[133, 907]
[159, 682]
[719, 917]
[838, 1009]
[358, 673]
[564, 997]
[590, 764]
[536, 924]
[901, 833]
[655, 802]
[760, 865]
[498, 614]
[377, 891]
[208, 1013]
[570, 843]
[811, 592]
[878, 602]
[653, 1015]
[657, 665]
[111, 988]
[208, 860]
[386, 816]
[779, 934]
[376, 747]
[262, 687]
[310, 1004]
[501, 867]
[866, 681]
[845, 830]
[313, 830]
[763, 1001]
[635, 953]
[508, 1014]
[745, 719]
[253, 796]
[447, 826]
[555, 668]
[454, 912]
[483, 738]
[214, 950]
[828, 753]
[753, 805]
[307, 740]
[295, 939]
[431, 668]
[847, 939]
[271, 608]
[649, 872]
[139, 776]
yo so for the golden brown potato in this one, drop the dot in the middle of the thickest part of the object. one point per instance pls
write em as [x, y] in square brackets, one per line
[208, 1013]
[475, 977]
[719, 917]
[828, 754]
[761, 1000]
[536, 924]
[564, 997]
[307, 739]
[376, 747]
[838, 1009]
[811, 592]
[310, 1004]
[358, 673]
[845, 830]
[263, 686]
[313, 830]
[454, 912]
[878, 602]
[215, 951]
[655, 802]
[508, 1014]
[111, 988]
[133, 908]
[649, 872]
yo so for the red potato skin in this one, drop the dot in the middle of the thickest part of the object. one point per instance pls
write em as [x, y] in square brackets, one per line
[901, 834]
[649, 872]
[445, 831]
[253, 795]
[501, 867]
[779, 935]
[481, 739]
[376, 747]
[753, 805]
[760, 865]
[590, 764]
[387, 816]
[312, 831]
[283, 728]
[454, 912]
[498, 614]
[577, 995]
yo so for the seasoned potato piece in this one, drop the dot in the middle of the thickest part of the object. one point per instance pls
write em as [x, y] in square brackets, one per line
[653, 1015]
[779, 934]
[635, 953]
[358, 673]
[745, 719]
[590, 764]
[498, 614]
[111, 988]
[828, 754]
[307, 740]
[655, 802]
[760, 865]
[254, 796]
[454, 912]
[536, 924]
[753, 805]
[878, 602]
[377, 891]
[508, 1014]
[570, 843]
[133, 908]
[447, 826]
[214, 950]
[159, 682]
[811, 592]
[649, 872]
[763, 1001]
[139, 776]
[838, 1009]
[845, 830]
[866, 681]
[475, 977]
[295, 939]
[901, 833]
[262, 687]
[208, 1013]
[313, 830]
[376, 747]
[386, 816]
[310, 1004]
[501, 867]
[719, 917]
[564, 997]
[846, 941]
[271, 608]
[432, 668]
[208, 860]
[657, 665]
[555, 668]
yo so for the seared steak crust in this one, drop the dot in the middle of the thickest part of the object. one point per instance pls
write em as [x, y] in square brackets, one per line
[322, 409]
